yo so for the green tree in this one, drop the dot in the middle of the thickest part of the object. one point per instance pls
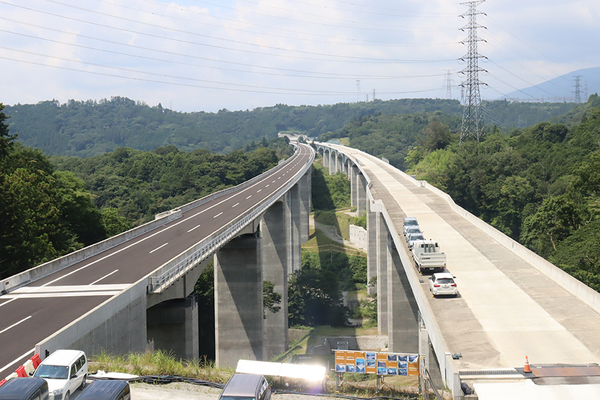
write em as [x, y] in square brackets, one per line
[271, 298]
[6, 139]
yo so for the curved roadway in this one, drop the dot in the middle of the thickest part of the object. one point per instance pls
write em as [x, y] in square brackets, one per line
[31, 313]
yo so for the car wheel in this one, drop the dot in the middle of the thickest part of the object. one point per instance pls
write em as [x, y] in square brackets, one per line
[83, 382]
[67, 396]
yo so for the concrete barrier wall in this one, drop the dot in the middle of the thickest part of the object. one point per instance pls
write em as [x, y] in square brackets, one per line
[358, 236]
[43, 270]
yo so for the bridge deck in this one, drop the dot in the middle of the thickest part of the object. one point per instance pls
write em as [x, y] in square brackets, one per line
[507, 309]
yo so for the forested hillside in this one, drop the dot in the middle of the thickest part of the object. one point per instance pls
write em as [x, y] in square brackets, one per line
[89, 128]
[49, 208]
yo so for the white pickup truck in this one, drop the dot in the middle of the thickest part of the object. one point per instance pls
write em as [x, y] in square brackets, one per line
[428, 256]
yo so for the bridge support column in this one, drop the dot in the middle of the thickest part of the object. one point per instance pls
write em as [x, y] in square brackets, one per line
[372, 249]
[353, 186]
[173, 325]
[293, 232]
[304, 183]
[332, 162]
[403, 312]
[361, 188]
[238, 302]
[326, 158]
[382, 273]
[274, 260]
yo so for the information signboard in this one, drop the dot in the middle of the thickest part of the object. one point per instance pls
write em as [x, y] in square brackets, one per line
[370, 362]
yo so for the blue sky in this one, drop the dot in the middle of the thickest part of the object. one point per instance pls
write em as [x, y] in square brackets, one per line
[198, 55]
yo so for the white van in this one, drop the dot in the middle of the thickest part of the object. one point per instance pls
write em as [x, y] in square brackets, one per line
[65, 371]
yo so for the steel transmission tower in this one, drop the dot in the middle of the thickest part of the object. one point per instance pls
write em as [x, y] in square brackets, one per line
[577, 86]
[449, 84]
[472, 122]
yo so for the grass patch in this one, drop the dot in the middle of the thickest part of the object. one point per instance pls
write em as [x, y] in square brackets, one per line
[339, 219]
[159, 363]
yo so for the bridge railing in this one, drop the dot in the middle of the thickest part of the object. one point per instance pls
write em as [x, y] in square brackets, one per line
[178, 266]
[448, 367]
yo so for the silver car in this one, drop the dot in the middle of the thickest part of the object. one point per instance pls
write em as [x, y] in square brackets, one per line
[411, 238]
[443, 283]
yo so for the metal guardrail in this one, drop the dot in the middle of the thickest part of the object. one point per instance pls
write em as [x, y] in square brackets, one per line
[210, 245]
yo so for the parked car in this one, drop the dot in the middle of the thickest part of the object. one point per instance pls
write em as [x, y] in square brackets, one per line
[106, 390]
[411, 238]
[65, 371]
[442, 283]
[246, 387]
[409, 222]
[24, 389]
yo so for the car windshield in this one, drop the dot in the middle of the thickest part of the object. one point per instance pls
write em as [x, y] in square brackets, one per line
[236, 398]
[413, 230]
[445, 280]
[411, 222]
[417, 237]
[52, 372]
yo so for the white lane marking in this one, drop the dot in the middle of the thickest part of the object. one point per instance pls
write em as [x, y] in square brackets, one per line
[248, 197]
[267, 186]
[152, 235]
[218, 214]
[65, 294]
[273, 181]
[159, 247]
[235, 205]
[259, 190]
[105, 276]
[71, 288]
[197, 226]
[17, 359]
[15, 324]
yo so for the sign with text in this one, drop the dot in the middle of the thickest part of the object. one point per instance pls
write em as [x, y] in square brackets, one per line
[370, 362]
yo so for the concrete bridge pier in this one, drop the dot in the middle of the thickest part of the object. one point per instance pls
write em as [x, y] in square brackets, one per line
[403, 311]
[361, 189]
[326, 158]
[238, 302]
[371, 249]
[173, 326]
[353, 171]
[305, 191]
[383, 290]
[274, 261]
[332, 163]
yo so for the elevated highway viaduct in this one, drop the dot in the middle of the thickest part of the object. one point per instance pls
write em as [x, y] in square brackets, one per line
[134, 290]
[511, 303]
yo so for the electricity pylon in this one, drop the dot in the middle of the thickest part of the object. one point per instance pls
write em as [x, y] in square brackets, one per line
[472, 122]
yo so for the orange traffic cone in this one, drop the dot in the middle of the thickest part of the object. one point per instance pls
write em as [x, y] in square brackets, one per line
[527, 368]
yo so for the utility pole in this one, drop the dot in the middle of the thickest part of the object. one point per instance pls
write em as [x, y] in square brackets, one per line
[472, 122]
[373, 94]
[577, 86]
[357, 90]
